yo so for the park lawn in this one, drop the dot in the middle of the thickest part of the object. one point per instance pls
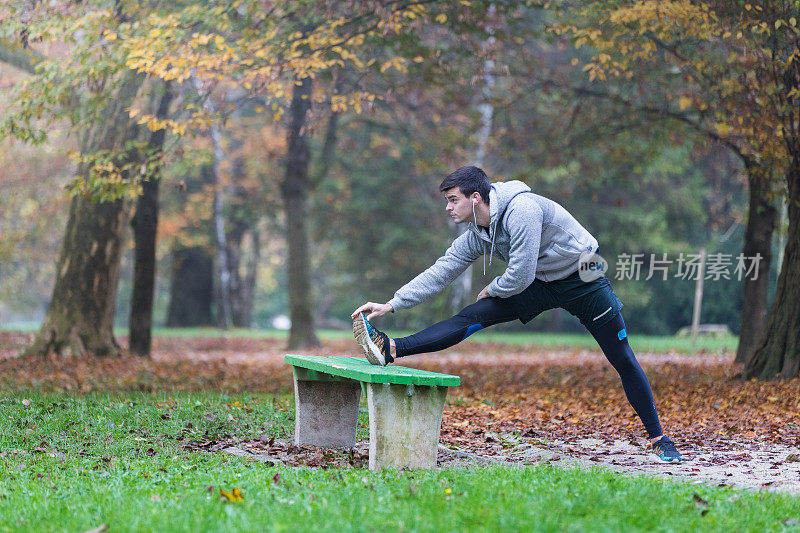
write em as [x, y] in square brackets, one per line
[72, 463]
[639, 343]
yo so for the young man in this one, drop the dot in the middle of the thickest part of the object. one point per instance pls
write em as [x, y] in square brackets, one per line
[547, 252]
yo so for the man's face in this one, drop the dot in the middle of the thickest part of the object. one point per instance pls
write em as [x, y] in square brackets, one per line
[459, 207]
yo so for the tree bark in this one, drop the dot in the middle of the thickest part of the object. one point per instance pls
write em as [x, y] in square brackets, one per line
[80, 317]
[145, 228]
[224, 317]
[248, 285]
[778, 354]
[191, 294]
[461, 292]
[294, 190]
[757, 241]
[242, 260]
[192, 288]
[243, 277]
[325, 159]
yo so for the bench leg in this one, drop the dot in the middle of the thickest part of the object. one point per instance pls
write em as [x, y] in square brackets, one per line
[404, 425]
[326, 413]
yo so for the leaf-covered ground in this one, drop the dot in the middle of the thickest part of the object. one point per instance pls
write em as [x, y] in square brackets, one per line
[516, 402]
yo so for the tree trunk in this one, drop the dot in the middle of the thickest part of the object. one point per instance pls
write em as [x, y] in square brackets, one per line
[243, 277]
[461, 293]
[145, 225]
[191, 294]
[757, 240]
[248, 286]
[556, 322]
[145, 228]
[224, 318]
[80, 318]
[242, 259]
[295, 198]
[778, 354]
[192, 288]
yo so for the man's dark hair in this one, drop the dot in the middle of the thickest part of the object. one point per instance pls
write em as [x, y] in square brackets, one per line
[469, 180]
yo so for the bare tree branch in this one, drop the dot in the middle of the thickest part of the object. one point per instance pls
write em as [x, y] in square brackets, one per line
[668, 113]
[17, 55]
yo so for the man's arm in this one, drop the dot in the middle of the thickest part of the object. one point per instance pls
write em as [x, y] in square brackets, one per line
[373, 309]
[523, 220]
[464, 250]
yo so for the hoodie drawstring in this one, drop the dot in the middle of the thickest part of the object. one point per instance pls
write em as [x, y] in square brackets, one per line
[491, 253]
[491, 250]
[475, 220]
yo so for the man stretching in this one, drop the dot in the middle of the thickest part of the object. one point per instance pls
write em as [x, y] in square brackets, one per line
[544, 247]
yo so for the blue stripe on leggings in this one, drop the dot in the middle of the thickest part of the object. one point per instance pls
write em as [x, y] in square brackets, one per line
[472, 329]
[623, 333]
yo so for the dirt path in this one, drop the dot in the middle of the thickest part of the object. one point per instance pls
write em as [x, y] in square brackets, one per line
[745, 465]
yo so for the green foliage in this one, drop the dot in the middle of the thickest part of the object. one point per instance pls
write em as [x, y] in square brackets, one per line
[113, 174]
[638, 183]
[69, 86]
[33, 209]
[77, 458]
[383, 222]
[77, 76]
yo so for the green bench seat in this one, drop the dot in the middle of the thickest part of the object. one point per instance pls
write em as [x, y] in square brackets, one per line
[405, 407]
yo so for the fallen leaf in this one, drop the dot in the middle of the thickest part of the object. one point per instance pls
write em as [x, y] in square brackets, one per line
[698, 501]
[533, 387]
[234, 496]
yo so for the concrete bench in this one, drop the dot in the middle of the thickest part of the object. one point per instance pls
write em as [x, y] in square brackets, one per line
[405, 408]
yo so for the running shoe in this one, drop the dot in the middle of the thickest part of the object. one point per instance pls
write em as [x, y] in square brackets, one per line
[666, 452]
[374, 343]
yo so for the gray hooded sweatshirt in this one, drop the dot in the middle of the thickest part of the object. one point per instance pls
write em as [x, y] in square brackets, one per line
[536, 237]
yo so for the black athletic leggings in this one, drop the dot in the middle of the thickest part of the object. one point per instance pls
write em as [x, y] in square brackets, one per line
[612, 338]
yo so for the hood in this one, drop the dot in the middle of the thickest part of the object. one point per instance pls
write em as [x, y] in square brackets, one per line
[500, 195]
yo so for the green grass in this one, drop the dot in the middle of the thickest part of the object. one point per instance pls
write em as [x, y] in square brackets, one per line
[115, 460]
[639, 343]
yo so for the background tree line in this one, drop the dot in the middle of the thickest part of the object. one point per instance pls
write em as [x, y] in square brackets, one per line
[298, 148]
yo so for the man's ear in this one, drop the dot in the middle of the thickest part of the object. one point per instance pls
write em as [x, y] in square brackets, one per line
[476, 198]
